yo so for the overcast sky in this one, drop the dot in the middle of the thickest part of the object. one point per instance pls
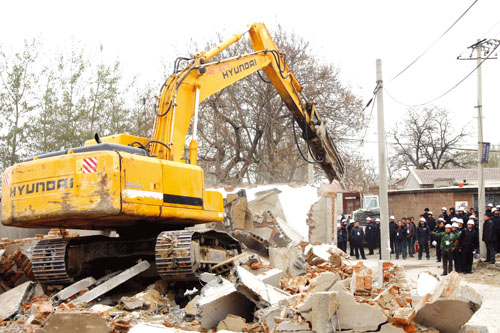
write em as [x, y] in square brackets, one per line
[145, 35]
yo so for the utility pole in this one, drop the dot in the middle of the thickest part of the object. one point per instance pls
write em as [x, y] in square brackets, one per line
[385, 248]
[486, 47]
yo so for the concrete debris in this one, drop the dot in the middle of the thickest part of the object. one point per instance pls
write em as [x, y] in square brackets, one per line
[439, 309]
[271, 277]
[237, 212]
[288, 259]
[252, 241]
[11, 300]
[112, 283]
[218, 299]
[299, 287]
[349, 312]
[324, 306]
[226, 266]
[263, 295]
[81, 322]
[267, 201]
[73, 289]
[389, 328]
[232, 323]
[289, 325]
[473, 329]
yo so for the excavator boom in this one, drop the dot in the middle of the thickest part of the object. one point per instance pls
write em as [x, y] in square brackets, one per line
[184, 91]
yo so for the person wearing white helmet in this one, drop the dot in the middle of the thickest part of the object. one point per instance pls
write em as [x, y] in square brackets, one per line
[456, 228]
[488, 210]
[437, 239]
[448, 246]
[423, 237]
[392, 233]
[349, 228]
[371, 235]
[468, 243]
[444, 213]
[431, 221]
[462, 214]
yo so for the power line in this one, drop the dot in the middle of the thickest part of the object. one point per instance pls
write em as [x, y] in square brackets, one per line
[372, 100]
[434, 43]
[447, 91]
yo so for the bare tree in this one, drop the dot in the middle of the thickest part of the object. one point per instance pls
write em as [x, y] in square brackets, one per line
[247, 131]
[426, 139]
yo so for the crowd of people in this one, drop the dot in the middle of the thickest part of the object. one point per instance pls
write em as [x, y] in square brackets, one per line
[454, 235]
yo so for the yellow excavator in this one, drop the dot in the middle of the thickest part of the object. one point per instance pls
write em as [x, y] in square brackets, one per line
[143, 188]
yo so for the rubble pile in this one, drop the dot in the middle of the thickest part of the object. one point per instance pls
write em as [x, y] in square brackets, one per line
[295, 287]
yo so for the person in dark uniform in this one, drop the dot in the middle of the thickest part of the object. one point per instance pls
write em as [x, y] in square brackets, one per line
[456, 255]
[451, 215]
[342, 236]
[423, 237]
[439, 228]
[401, 236]
[357, 236]
[489, 239]
[496, 226]
[349, 228]
[392, 233]
[371, 235]
[431, 222]
[468, 243]
[377, 231]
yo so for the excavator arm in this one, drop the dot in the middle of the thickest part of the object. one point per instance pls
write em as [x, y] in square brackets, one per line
[201, 78]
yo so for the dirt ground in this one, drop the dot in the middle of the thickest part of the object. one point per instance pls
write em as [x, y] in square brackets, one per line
[485, 280]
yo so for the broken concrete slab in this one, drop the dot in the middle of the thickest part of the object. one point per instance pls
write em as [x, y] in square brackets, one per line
[252, 241]
[449, 298]
[11, 300]
[271, 277]
[237, 211]
[267, 201]
[268, 316]
[324, 281]
[232, 323]
[263, 295]
[289, 259]
[73, 289]
[112, 283]
[349, 311]
[81, 322]
[324, 305]
[226, 266]
[289, 325]
[220, 298]
[473, 329]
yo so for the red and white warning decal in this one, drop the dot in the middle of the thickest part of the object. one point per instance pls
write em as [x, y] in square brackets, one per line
[89, 165]
[5, 179]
